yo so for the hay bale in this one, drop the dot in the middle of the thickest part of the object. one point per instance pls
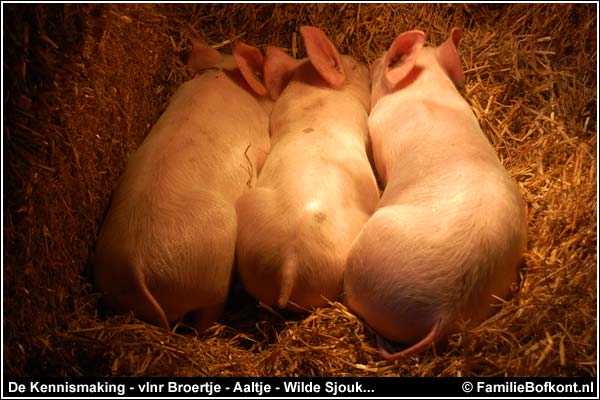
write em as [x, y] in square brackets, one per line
[89, 80]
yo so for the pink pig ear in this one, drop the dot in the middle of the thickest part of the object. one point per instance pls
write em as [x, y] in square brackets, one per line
[250, 62]
[323, 55]
[279, 69]
[447, 55]
[402, 55]
[202, 56]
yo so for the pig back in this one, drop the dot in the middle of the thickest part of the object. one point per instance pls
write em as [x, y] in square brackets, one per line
[214, 141]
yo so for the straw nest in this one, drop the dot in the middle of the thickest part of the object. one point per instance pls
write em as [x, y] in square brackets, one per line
[84, 85]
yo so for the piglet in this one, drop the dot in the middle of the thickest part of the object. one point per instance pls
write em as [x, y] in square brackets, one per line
[167, 245]
[450, 228]
[317, 187]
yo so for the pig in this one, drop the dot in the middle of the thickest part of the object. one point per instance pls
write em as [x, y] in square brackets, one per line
[317, 187]
[450, 230]
[167, 245]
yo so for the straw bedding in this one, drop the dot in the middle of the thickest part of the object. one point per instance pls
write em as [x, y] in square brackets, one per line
[85, 83]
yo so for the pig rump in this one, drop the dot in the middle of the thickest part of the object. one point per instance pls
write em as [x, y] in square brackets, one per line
[415, 278]
[164, 270]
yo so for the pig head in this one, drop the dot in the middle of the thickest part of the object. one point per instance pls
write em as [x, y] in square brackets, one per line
[166, 247]
[317, 188]
[450, 229]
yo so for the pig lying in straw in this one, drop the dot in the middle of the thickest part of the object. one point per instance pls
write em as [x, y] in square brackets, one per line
[450, 228]
[317, 188]
[167, 245]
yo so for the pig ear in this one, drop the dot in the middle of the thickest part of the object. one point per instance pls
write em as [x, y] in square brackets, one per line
[323, 55]
[279, 69]
[202, 56]
[447, 55]
[250, 62]
[402, 55]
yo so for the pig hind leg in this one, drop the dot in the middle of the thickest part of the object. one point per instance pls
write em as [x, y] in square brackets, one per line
[259, 247]
[202, 319]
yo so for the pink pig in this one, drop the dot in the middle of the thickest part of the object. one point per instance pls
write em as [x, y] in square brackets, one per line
[167, 245]
[451, 228]
[317, 187]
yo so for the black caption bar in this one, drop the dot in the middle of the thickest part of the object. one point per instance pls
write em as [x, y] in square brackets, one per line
[299, 387]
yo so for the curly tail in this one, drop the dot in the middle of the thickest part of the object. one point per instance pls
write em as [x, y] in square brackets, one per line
[288, 275]
[151, 310]
[431, 337]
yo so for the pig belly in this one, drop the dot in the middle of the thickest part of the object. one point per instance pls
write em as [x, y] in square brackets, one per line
[411, 270]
